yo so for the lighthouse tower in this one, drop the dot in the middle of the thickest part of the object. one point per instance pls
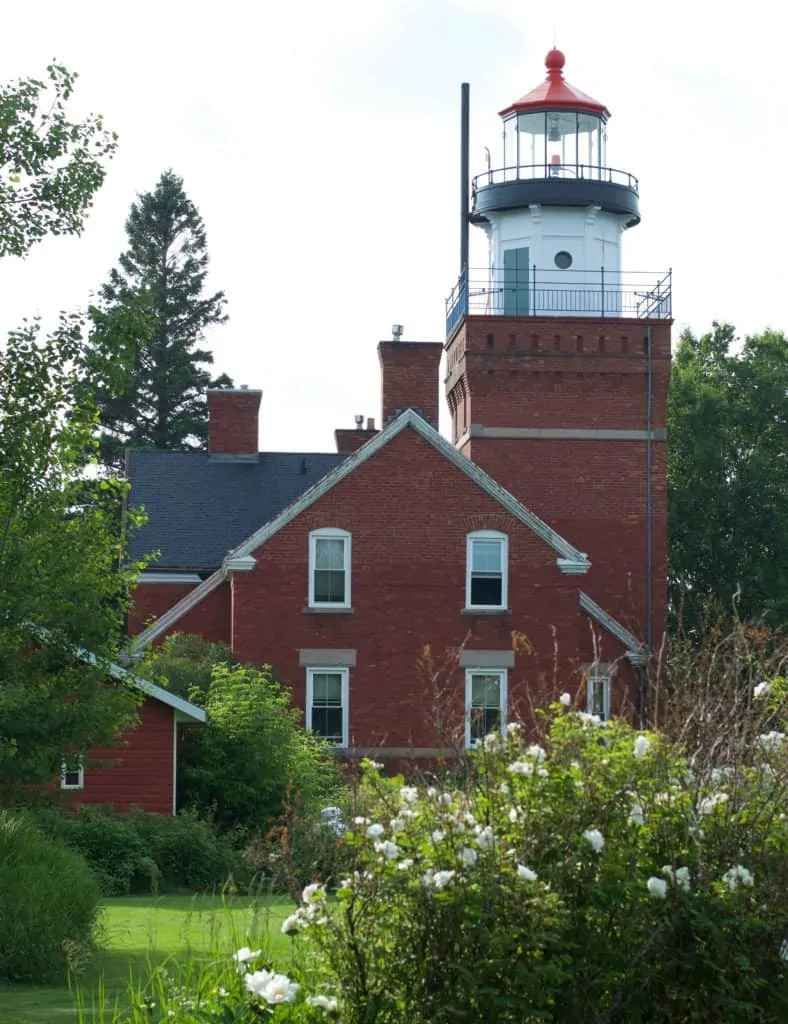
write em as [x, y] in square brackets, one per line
[558, 357]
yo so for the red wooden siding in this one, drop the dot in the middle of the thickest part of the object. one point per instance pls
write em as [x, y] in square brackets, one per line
[142, 775]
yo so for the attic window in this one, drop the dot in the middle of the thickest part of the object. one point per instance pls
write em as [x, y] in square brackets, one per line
[329, 568]
[486, 584]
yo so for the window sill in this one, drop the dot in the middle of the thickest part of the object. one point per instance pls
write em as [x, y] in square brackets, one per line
[486, 611]
[319, 609]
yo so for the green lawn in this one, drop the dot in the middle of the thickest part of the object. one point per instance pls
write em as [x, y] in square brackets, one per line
[139, 930]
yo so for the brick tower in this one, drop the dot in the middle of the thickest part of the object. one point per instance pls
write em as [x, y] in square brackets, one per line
[558, 359]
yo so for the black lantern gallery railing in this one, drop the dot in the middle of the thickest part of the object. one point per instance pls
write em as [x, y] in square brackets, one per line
[567, 171]
[535, 292]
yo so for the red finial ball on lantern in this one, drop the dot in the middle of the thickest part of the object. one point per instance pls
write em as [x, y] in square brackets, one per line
[555, 60]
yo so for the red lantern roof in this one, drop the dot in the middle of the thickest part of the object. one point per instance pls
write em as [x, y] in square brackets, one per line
[555, 93]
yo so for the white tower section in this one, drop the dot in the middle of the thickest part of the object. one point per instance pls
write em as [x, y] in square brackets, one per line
[554, 213]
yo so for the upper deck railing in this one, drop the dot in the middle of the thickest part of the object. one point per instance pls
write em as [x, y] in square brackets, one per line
[570, 172]
[583, 293]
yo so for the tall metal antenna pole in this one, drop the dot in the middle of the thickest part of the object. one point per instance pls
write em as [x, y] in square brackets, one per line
[465, 184]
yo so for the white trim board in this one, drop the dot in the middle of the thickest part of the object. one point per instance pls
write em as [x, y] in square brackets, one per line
[613, 626]
[568, 555]
[478, 430]
[179, 609]
[410, 418]
[184, 711]
[167, 577]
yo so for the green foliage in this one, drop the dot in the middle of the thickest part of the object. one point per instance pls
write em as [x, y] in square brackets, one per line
[304, 844]
[597, 878]
[63, 584]
[187, 850]
[241, 989]
[142, 852]
[160, 281]
[109, 844]
[253, 757]
[254, 753]
[185, 663]
[728, 476]
[50, 167]
[49, 903]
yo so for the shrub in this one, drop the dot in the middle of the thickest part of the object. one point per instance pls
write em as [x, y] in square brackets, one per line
[188, 851]
[243, 766]
[253, 752]
[110, 844]
[143, 852]
[601, 876]
[184, 663]
[49, 902]
[305, 844]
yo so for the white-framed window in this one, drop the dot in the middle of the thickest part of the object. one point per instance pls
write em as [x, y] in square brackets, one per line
[487, 570]
[598, 695]
[485, 703]
[72, 774]
[329, 568]
[327, 703]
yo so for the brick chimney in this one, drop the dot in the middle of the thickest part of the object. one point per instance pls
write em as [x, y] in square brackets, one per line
[233, 421]
[349, 441]
[409, 378]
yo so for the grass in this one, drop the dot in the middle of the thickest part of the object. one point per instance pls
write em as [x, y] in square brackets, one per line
[139, 931]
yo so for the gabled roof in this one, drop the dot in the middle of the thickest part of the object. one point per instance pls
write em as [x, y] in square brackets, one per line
[200, 507]
[570, 560]
[184, 710]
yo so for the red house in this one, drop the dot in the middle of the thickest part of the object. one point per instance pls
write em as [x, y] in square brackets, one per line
[141, 771]
[527, 553]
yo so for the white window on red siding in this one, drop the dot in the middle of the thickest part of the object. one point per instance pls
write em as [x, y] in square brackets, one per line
[72, 774]
[327, 704]
[487, 570]
[329, 568]
[485, 703]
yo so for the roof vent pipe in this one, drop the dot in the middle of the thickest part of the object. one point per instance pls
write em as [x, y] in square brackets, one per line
[396, 332]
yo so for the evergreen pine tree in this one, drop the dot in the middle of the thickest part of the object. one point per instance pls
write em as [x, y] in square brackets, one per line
[159, 284]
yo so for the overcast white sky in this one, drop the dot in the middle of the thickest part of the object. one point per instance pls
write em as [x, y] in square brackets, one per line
[320, 141]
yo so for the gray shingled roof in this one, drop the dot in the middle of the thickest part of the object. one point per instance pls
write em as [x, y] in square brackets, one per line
[200, 508]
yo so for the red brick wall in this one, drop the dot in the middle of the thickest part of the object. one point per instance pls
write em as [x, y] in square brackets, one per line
[142, 775]
[349, 441]
[210, 618]
[409, 378]
[573, 373]
[409, 511]
[233, 421]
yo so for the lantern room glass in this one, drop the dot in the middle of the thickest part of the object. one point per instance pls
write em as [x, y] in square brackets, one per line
[510, 148]
[558, 143]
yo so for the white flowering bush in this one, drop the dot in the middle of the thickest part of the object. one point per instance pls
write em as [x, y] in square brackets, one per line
[594, 876]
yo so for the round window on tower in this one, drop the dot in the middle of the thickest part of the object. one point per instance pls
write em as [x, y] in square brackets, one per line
[563, 260]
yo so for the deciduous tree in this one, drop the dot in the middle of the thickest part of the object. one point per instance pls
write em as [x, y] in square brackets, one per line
[50, 167]
[63, 583]
[728, 475]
